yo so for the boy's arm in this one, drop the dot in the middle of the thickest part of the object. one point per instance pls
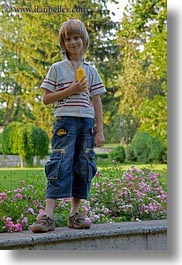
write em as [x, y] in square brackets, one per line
[99, 136]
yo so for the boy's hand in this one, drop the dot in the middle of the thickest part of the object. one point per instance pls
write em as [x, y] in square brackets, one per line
[99, 139]
[78, 86]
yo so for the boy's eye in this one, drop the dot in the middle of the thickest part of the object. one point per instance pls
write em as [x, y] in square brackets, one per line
[75, 38]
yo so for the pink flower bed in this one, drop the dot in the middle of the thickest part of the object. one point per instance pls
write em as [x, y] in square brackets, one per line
[116, 196]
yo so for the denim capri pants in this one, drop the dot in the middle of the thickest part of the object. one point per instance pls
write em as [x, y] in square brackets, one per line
[71, 166]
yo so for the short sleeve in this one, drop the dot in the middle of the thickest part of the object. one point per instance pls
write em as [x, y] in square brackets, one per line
[96, 86]
[49, 81]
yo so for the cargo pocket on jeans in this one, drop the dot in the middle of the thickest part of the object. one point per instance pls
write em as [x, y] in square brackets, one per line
[53, 166]
[92, 169]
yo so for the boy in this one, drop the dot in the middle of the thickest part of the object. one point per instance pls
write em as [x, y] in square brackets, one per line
[71, 167]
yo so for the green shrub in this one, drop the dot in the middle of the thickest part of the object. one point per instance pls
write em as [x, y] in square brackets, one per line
[118, 154]
[12, 140]
[157, 150]
[130, 156]
[101, 156]
[26, 140]
[1, 139]
[146, 149]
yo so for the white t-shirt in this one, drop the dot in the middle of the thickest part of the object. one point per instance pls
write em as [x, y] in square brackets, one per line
[60, 76]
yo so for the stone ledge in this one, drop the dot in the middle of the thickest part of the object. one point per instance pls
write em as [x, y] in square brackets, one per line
[144, 235]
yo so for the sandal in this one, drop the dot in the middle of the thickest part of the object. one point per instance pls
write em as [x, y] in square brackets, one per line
[78, 221]
[44, 224]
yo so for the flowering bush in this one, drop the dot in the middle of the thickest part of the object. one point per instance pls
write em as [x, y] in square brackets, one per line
[133, 195]
[18, 208]
[116, 196]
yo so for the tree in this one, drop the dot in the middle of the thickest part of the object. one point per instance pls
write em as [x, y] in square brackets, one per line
[143, 80]
[26, 140]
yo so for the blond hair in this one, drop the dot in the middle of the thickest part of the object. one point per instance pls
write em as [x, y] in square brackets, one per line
[70, 27]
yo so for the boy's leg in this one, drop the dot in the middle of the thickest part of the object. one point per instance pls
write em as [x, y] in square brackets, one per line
[50, 205]
[75, 204]
[84, 164]
[84, 170]
[49, 210]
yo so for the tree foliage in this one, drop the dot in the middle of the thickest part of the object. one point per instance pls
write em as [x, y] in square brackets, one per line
[26, 140]
[143, 80]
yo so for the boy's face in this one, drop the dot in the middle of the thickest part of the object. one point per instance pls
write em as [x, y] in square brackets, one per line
[73, 44]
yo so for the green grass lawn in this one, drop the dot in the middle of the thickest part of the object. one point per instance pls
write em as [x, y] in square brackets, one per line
[10, 178]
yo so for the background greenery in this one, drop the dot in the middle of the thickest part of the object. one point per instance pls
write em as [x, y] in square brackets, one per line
[130, 56]
[26, 140]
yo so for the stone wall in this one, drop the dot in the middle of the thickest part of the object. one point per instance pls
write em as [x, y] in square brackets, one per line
[9, 161]
[143, 235]
[15, 161]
